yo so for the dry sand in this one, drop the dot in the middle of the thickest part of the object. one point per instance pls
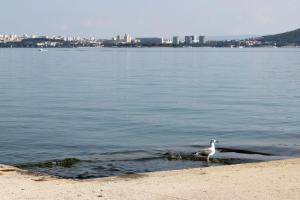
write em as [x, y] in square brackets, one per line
[268, 180]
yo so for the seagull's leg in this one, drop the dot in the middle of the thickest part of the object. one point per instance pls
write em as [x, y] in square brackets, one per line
[207, 159]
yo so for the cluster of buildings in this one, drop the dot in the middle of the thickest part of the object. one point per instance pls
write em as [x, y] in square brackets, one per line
[127, 40]
[5, 37]
[31, 41]
[189, 40]
[119, 41]
[15, 38]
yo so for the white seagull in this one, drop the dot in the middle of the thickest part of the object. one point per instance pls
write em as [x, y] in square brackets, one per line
[208, 151]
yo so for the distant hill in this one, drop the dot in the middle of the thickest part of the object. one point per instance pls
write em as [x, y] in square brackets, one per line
[291, 37]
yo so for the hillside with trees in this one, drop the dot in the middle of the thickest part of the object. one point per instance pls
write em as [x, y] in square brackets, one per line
[282, 39]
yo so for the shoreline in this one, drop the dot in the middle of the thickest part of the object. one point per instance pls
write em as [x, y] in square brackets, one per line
[264, 180]
[145, 47]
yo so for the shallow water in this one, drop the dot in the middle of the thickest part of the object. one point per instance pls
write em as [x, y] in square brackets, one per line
[121, 110]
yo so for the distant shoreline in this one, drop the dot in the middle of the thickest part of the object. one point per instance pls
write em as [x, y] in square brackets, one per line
[147, 47]
[290, 38]
[266, 180]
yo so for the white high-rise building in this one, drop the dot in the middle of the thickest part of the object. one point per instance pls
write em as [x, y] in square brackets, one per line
[189, 40]
[118, 38]
[127, 38]
[25, 36]
[167, 41]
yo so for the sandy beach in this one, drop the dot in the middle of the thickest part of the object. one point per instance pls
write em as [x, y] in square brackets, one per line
[268, 180]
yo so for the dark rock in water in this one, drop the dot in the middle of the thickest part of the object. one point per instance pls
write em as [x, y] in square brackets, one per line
[241, 151]
[173, 156]
[66, 163]
[184, 156]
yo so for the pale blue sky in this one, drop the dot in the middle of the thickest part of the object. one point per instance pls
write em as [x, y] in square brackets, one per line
[105, 18]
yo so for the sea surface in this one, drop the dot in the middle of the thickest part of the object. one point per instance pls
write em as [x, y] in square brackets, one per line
[85, 113]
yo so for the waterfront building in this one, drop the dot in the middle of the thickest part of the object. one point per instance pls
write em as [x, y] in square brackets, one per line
[127, 38]
[110, 43]
[135, 41]
[118, 38]
[189, 40]
[44, 36]
[167, 41]
[59, 38]
[201, 39]
[194, 40]
[9, 38]
[151, 41]
[69, 38]
[176, 40]
[25, 36]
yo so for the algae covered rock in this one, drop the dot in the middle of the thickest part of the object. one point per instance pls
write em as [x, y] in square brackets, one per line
[65, 163]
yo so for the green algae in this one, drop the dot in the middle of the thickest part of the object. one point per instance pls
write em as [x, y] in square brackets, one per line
[65, 163]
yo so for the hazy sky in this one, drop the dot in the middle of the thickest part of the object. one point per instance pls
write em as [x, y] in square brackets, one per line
[105, 18]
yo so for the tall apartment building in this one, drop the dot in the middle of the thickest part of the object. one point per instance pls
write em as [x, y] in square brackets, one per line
[189, 40]
[127, 38]
[201, 39]
[176, 40]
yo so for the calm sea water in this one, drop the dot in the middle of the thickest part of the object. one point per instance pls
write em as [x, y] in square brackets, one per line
[120, 110]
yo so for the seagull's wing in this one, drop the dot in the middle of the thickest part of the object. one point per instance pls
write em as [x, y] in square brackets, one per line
[204, 152]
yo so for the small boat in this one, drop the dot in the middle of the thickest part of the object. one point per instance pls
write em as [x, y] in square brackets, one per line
[43, 50]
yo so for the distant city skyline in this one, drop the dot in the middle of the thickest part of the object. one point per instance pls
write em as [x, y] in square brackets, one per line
[144, 18]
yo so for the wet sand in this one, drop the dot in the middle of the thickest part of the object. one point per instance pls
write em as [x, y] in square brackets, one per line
[267, 180]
